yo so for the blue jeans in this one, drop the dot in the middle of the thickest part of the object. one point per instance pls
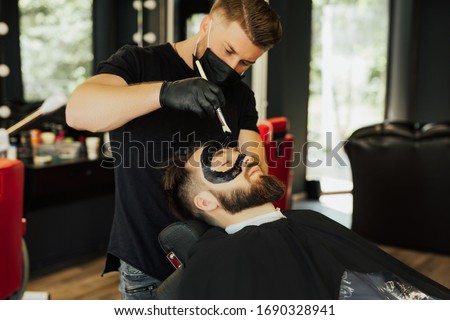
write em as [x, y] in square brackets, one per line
[136, 285]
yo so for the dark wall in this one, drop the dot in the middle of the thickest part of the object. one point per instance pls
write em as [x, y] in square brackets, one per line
[288, 87]
[183, 10]
[13, 88]
[115, 22]
[432, 91]
[419, 73]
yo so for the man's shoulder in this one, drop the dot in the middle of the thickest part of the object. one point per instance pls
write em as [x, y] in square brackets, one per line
[137, 64]
[217, 240]
[304, 214]
[147, 49]
[212, 237]
[314, 219]
[148, 52]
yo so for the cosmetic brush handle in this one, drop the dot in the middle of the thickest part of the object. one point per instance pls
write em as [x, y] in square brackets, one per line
[200, 68]
[224, 124]
[24, 122]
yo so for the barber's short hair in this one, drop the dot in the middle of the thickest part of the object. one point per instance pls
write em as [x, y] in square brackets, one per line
[180, 186]
[256, 18]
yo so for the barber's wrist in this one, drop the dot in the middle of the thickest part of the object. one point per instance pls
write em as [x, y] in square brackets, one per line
[162, 93]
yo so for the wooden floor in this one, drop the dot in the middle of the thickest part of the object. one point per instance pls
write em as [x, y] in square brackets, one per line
[84, 281]
[80, 282]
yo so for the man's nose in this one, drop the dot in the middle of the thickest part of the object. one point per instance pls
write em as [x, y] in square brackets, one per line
[249, 161]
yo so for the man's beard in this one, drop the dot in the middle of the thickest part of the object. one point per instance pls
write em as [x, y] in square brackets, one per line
[264, 190]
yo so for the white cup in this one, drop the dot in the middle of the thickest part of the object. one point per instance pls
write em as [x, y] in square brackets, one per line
[92, 147]
[48, 137]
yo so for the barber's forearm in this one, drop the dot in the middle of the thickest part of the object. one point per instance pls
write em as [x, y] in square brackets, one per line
[99, 107]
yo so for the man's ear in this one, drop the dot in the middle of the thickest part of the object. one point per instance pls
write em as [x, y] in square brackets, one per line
[205, 201]
[204, 25]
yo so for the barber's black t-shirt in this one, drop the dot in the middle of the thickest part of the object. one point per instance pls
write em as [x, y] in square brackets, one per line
[143, 144]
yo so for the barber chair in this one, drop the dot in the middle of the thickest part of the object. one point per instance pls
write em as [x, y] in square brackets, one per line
[14, 265]
[13, 253]
[176, 240]
[401, 184]
[279, 149]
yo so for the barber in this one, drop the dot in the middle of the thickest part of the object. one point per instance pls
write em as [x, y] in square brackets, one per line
[154, 103]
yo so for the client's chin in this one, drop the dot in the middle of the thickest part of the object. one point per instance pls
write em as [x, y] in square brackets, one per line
[263, 190]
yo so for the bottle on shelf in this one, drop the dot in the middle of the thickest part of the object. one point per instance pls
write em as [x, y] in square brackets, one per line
[25, 148]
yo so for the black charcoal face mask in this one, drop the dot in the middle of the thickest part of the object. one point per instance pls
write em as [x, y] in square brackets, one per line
[216, 70]
[217, 177]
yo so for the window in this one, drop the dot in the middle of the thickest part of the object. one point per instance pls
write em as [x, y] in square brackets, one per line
[193, 24]
[55, 46]
[347, 82]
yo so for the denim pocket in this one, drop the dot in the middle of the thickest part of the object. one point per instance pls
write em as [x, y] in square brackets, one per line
[136, 285]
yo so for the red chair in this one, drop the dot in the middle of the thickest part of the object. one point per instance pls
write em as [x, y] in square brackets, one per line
[13, 271]
[279, 146]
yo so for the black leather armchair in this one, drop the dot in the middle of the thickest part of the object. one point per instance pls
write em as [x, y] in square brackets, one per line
[401, 178]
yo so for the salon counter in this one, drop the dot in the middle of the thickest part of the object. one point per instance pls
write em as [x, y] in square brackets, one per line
[69, 208]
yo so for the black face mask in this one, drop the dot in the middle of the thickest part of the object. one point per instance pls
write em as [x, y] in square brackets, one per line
[216, 70]
[217, 177]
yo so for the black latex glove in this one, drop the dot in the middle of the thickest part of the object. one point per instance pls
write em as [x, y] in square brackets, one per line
[194, 94]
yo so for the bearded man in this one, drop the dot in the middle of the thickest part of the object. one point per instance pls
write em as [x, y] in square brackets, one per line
[255, 251]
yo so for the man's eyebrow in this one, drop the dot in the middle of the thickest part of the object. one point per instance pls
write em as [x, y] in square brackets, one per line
[234, 51]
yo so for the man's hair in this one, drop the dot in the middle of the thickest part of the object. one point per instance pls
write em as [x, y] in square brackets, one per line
[180, 186]
[257, 19]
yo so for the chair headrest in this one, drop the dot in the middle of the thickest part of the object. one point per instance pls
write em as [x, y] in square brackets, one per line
[177, 239]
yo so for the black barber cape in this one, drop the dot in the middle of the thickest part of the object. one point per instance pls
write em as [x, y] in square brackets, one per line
[306, 256]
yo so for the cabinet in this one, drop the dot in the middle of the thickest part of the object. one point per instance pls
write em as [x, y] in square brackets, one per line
[69, 208]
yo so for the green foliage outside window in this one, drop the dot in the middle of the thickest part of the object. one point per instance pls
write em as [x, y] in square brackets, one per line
[55, 46]
[347, 75]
